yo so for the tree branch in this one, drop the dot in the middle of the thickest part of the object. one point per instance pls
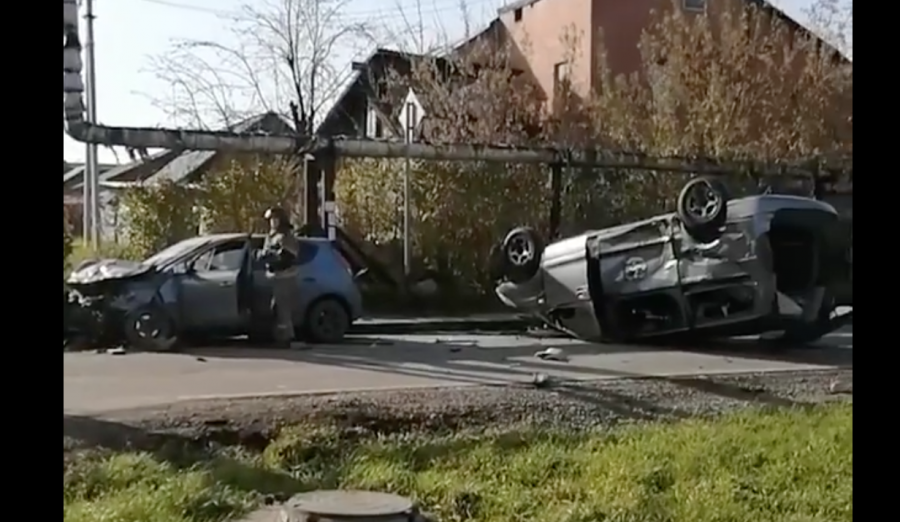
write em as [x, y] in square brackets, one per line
[281, 57]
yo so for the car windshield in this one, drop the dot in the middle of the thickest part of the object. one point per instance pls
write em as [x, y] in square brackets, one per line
[174, 251]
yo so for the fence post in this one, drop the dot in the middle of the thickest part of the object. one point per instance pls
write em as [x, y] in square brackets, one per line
[310, 193]
[328, 165]
[818, 181]
[555, 201]
[754, 178]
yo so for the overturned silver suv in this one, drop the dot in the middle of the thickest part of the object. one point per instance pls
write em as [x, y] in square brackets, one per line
[714, 267]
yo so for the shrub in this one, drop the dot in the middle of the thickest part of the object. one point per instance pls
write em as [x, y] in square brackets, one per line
[230, 199]
[157, 215]
[452, 227]
[67, 240]
[234, 198]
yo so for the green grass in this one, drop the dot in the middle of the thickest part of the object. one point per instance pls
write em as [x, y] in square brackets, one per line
[791, 466]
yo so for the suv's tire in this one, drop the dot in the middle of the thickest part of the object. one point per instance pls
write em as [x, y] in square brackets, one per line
[703, 208]
[327, 321]
[521, 249]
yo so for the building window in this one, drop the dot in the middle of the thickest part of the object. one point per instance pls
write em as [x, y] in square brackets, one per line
[694, 5]
[517, 15]
[374, 125]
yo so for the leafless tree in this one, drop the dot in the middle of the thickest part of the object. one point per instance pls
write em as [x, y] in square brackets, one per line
[833, 21]
[284, 56]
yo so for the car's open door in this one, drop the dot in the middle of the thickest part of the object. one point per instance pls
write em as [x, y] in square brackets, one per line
[210, 288]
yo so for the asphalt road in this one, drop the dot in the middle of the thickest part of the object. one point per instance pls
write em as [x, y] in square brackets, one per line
[95, 383]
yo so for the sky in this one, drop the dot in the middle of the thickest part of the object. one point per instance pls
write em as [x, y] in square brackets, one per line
[129, 33]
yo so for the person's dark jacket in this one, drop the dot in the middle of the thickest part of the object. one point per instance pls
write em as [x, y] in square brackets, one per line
[280, 251]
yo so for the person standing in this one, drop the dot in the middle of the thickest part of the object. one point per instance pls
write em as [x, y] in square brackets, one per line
[280, 253]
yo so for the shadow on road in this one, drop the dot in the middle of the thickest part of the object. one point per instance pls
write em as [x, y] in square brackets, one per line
[428, 360]
[467, 362]
[824, 353]
[459, 360]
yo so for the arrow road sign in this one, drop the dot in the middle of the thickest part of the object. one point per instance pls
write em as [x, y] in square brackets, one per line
[412, 113]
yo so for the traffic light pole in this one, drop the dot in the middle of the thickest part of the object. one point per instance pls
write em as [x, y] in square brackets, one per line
[91, 174]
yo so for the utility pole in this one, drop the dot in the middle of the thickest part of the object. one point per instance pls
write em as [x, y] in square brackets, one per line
[91, 175]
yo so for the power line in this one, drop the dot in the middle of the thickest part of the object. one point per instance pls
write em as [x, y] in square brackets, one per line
[189, 7]
[370, 15]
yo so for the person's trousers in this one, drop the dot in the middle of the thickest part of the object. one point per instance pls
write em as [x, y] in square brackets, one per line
[284, 296]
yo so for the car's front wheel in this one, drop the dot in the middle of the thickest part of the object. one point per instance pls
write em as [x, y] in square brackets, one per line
[150, 328]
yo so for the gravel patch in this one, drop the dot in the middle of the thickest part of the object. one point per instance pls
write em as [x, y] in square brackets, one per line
[251, 422]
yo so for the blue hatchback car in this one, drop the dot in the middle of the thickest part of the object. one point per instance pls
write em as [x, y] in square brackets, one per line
[211, 286]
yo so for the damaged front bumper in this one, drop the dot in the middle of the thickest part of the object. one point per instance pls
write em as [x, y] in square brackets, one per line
[98, 297]
[93, 320]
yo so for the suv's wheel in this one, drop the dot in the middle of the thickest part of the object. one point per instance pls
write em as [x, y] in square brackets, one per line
[703, 208]
[522, 249]
[326, 321]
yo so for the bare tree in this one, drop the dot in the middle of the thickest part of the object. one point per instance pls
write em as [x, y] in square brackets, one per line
[833, 21]
[285, 56]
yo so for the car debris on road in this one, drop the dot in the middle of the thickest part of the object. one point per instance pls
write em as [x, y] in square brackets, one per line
[541, 380]
[552, 354]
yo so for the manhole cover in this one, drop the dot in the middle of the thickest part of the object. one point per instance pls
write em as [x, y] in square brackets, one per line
[347, 505]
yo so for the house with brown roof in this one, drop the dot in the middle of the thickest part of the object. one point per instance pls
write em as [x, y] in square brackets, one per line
[561, 39]
[549, 42]
[371, 103]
